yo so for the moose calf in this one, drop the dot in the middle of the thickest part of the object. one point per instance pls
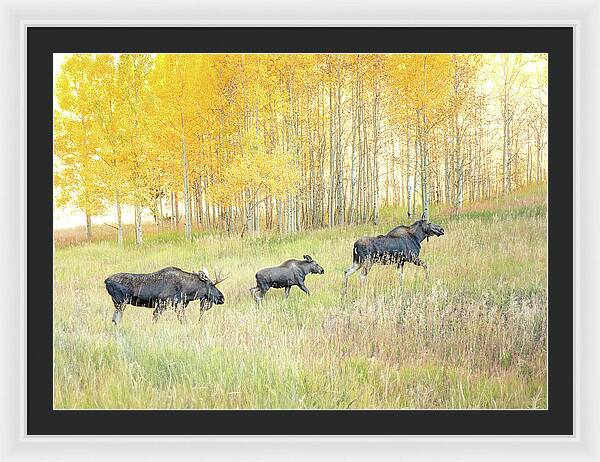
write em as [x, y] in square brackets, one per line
[289, 273]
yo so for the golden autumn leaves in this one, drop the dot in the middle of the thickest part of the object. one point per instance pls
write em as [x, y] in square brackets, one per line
[256, 173]
[122, 123]
[314, 139]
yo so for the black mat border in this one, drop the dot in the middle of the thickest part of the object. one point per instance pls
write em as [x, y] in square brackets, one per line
[43, 41]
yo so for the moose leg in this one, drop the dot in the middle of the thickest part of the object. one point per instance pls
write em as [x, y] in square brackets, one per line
[205, 305]
[156, 314]
[158, 310]
[180, 310]
[422, 263]
[303, 287]
[119, 308]
[349, 272]
[364, 273]
[259, 294]
[401, 272]
[287, 291]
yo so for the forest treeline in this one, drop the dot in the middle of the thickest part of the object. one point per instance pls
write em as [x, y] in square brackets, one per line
[238, 143]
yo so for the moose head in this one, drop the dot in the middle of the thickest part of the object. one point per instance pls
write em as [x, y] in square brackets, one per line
[428, 228]
[313, 267]
[213, 295]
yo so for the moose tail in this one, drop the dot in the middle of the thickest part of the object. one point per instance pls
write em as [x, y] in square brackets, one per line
[356, 254]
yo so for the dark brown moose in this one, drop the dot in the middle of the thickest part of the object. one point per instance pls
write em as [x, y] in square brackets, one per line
[289, 273]
[167, 288]
[402, 244]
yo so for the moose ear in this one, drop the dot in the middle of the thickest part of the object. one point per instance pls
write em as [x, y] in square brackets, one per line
[423, 215]
[308, 258]
[203, 274]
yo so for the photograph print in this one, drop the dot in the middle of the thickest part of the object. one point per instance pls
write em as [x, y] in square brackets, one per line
[300, 231]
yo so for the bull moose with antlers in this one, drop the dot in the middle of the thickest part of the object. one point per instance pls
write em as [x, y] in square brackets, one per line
[167, 288]
[402, 244]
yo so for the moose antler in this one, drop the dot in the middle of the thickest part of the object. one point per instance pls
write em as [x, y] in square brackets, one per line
[219, 277]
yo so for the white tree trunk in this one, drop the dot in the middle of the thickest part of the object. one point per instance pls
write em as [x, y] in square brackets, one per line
[186, 192]
[119, 221]
[138, 224]
[88, 226]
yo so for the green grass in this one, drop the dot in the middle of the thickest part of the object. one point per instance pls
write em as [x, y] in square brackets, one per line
[472, 336]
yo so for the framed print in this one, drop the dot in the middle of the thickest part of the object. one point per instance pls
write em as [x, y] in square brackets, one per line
[316, 232]
[301, 151]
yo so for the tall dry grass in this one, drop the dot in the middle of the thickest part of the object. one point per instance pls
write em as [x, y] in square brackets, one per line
[472, 336]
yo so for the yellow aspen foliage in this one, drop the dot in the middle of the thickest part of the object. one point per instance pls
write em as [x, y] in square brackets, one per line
[256, 172]
[79, 169]
[235, 142]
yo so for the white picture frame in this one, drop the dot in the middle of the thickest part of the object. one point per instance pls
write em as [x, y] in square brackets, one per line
[582, 15]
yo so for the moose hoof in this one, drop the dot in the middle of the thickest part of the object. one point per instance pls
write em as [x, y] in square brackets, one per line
[116, 317]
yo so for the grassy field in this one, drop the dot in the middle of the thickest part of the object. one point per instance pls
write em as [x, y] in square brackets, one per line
[472, 336]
